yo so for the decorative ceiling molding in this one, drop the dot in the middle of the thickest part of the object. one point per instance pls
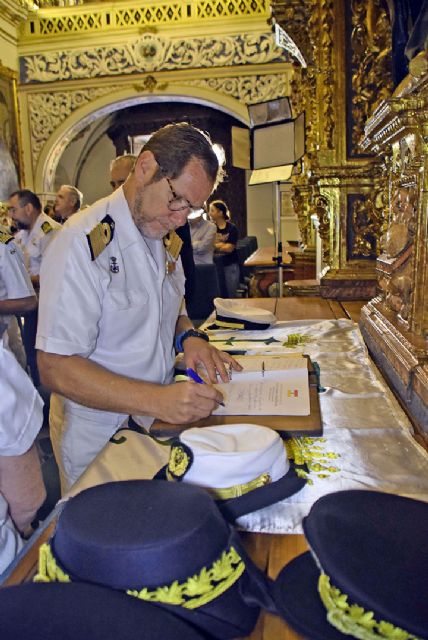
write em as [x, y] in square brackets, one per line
[14, 11]
[150, 53]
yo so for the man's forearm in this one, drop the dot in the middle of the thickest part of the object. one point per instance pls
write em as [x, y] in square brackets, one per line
[183, 324]
[91, 385]
[18, 306]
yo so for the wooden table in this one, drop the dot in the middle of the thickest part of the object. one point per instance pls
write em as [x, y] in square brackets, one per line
[263, 257]
[264, 270]
[270, 552]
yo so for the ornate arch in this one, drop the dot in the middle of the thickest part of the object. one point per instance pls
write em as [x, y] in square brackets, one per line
[51, 132]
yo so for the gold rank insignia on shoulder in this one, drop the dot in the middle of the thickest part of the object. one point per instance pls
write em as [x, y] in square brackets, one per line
[173, 244]
[46, 227]
[5, 237]
[100, 236]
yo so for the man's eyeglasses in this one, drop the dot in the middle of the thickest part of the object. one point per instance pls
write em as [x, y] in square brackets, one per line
[179, 203]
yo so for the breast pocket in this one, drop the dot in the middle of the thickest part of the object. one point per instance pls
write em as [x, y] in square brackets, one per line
[123, 300]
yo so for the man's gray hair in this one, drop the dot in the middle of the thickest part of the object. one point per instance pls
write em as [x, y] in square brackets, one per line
[78, 195]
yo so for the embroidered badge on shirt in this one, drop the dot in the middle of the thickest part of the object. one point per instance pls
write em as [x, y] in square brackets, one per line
[46, 227]
[114, 267]
[5, 237]
[100, 236]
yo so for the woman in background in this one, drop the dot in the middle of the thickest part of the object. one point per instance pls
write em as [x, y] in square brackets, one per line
[225, 244]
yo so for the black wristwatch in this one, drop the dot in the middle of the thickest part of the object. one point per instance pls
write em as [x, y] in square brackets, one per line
[190, 333]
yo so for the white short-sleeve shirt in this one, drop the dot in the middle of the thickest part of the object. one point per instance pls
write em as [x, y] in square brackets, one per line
[35, 242]
[119, 310]
[14, 280]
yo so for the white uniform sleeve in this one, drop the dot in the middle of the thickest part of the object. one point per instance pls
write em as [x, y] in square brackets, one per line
[21, 407]
[10, 540]
[71, 294]
[14, 274]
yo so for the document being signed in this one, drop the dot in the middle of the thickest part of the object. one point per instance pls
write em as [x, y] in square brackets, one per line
[267, 385]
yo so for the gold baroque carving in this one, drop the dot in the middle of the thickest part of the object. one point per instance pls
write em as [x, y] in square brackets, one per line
[399, 291]
[149, 53]
[327, 66]
[322, 209]
[371, 64]
[300, 202]
[367, 221]
[246, 89]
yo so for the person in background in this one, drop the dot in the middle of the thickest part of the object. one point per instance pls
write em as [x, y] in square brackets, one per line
[225, 244]
[112, 309]
[68, 201]
[203, 233]
[49, 209]
[17, 295]
[120, 168]
[36, 231]
[22, 490]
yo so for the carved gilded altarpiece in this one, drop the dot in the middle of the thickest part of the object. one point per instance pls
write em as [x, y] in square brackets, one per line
[395, 323]
[346, 46]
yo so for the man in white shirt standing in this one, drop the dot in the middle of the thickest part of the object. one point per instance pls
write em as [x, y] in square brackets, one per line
[203, 234]
[112, 305]
[36, 231]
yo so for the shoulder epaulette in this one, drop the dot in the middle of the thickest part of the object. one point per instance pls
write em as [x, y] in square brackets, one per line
[100, 236]
[46, 227]
[5, 237]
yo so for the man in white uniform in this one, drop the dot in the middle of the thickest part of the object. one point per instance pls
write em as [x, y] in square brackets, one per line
[203, 234]
[120, 168]
[17, 296]
[111, 305]
[36, 231]
[22, 490]
[68, 201]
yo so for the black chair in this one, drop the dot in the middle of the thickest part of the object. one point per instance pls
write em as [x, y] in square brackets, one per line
[206, 289]
[252, 241]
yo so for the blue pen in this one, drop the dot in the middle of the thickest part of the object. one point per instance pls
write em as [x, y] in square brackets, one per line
[194, 376]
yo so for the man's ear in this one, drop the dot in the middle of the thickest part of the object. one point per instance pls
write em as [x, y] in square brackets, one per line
[28, 208]
[145, 167]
